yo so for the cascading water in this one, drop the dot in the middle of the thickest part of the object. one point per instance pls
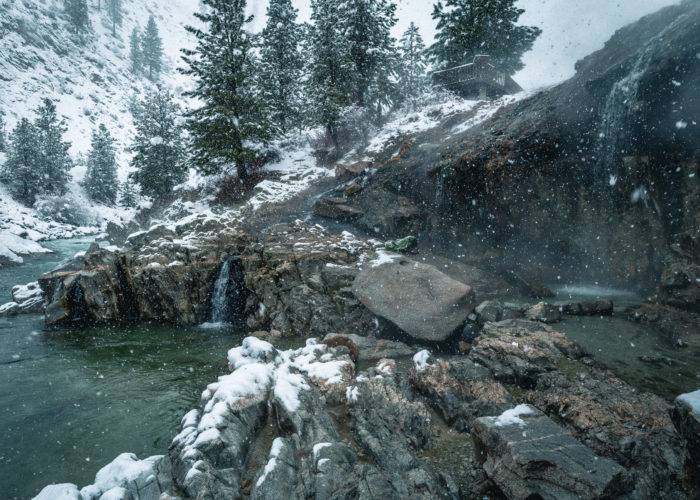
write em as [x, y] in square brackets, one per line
[228, 298]
[619, 110]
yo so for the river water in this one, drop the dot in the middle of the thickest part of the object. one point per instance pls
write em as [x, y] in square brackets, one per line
[71, 401]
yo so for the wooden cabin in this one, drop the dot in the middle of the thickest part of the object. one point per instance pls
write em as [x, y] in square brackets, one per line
[477, 80]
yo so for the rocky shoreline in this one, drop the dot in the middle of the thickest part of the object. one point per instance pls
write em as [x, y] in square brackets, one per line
[500, 404]
[524, 413]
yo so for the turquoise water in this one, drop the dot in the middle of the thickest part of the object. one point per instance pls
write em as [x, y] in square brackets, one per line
[71, 401]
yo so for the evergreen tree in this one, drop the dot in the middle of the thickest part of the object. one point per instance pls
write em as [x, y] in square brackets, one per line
[158, 155]
[229, 127]
[466, 28]
[115, 14]
[331, 66]
[372, 50]
[20, 172]
[135, 53]
[128, 196]
[280, 70]
[100, 181]
[78, 15]
[53, 161]
[152, 49]
[412, 73]
[3, 146]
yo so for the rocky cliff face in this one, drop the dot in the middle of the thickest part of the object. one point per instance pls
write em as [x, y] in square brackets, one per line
[297, 279]
[596, 178]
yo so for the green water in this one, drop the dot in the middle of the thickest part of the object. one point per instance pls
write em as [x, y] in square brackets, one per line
[620, 344]
[71, 401]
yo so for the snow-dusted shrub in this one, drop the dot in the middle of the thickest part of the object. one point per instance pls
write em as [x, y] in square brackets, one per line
[68, 209]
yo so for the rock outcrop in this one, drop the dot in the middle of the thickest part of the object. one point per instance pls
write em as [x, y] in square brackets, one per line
[528, 455]
[686, 417]
[302, 423]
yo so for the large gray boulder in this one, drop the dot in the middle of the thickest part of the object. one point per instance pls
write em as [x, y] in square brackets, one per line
[529, 456]
[417, 298]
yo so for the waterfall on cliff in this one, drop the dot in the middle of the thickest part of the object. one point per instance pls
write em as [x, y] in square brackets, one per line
[229, 295]
[620, 108]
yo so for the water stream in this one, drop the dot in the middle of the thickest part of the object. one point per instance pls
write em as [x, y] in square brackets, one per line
[70, 401]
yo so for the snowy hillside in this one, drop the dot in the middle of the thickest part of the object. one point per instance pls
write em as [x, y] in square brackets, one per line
[91, 83]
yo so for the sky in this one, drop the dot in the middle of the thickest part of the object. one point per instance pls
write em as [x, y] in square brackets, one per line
[571, 29]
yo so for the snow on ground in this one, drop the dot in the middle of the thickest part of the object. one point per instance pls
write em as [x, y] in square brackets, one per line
[297, 171]
[512, 416]
[692, 399]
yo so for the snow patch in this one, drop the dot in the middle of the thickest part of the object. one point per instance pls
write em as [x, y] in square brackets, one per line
[512, 416]
[420, 360]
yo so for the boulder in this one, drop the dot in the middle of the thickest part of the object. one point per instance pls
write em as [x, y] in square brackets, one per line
[9, 310]
[519, 351]
[417, 298]
[589, 308]
[528, 455]
[543, 312]
[347, 172]
[336, 209]
[459, 389]
[371, 348]
[29, 297]
[403, 245]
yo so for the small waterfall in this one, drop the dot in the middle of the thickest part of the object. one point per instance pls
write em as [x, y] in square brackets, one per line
[228, 298]
[620, 108]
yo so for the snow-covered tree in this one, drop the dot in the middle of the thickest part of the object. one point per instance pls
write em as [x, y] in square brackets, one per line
[229, 126]
[152, 49]
[135, 53]
[20, 172]
[78, 15]
[466, 28]
[53, 162]
[128, 195]
[372, 50]
[100, 181]
[331, 68]
[115, 13]
[158, 153]
[413, 64]
[280, 70]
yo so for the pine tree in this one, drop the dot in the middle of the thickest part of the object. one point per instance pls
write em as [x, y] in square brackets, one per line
[53, 162]
[372, 50]
[78, 15]
[229, 127]
[412, 72]
[152, 49]
[100, 181]
[20, 172]
[331, 66]
[158, 154]
[280, 70]
[3, 145]
[115, 14]
[135, 54]
[466, 28]
[128, 196]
